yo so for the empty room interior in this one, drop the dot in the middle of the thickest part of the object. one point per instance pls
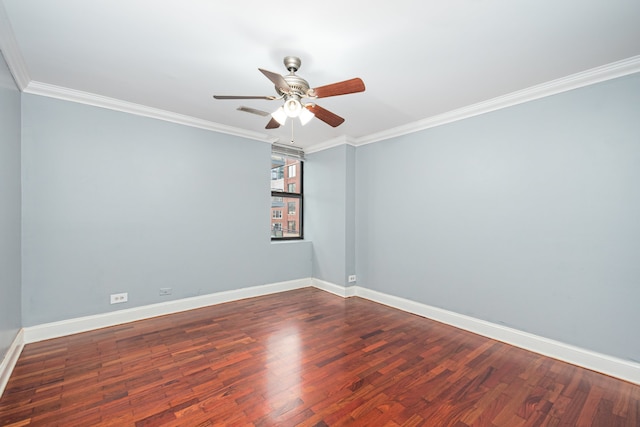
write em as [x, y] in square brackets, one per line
[250, 213]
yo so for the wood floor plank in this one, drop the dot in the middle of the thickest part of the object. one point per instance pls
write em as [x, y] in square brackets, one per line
[308, 358]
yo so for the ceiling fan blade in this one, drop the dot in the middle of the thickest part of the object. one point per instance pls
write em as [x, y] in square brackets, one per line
[273, 123]
[253, 111]
[270, 98]
[325, 115]
[340, 88]
[277, 80]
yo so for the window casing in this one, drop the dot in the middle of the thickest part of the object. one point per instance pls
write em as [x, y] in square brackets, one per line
[286, 197]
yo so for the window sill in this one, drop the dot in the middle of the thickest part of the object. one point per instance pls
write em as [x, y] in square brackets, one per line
[280, 241]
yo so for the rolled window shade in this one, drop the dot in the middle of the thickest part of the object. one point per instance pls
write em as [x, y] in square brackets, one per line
[287, 151]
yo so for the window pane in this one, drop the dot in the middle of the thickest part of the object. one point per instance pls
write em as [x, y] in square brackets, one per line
[284, 175]
[285, 217]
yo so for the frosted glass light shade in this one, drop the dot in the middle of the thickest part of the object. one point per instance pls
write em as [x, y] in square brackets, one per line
[280, 116]
[305, 116]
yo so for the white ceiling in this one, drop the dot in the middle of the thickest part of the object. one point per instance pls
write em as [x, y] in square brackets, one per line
[418, 59]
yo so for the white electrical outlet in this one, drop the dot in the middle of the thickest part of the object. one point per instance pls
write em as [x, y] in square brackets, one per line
[119, 298]
[165, 291]
[352, 278]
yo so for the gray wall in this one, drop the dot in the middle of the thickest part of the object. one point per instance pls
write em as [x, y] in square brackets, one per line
[114, 202]
[329, 195]
[10, 270]
[350, 212]
[527, 216]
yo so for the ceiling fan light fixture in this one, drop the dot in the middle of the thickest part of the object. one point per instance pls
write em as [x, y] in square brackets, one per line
[280, 116]
[305, 116]
[292, 89]
[292, 107]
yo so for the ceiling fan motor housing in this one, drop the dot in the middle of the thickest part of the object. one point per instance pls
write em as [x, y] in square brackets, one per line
[292, 63]
[298, 85]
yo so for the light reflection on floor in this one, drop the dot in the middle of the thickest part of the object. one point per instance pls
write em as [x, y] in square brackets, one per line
[284, 367]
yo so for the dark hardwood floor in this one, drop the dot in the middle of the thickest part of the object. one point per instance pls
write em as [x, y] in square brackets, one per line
[303, 357]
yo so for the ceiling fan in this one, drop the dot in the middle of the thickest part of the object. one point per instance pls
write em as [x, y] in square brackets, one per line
[293, 89]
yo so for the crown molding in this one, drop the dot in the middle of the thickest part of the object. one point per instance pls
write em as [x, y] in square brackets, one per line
[11, 52]
[585, 78]
[334, 142]
[58, 92]
[18, 68]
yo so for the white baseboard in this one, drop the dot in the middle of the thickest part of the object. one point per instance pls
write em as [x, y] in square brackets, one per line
[341, 291]
[609, 365]
[10, 359]
[88, 323]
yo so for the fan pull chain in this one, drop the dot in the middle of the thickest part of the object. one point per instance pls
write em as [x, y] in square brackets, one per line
[292, 141]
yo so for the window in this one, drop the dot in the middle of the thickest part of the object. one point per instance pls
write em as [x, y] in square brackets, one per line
[277, 173]
[286, 192]
[276, 230]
